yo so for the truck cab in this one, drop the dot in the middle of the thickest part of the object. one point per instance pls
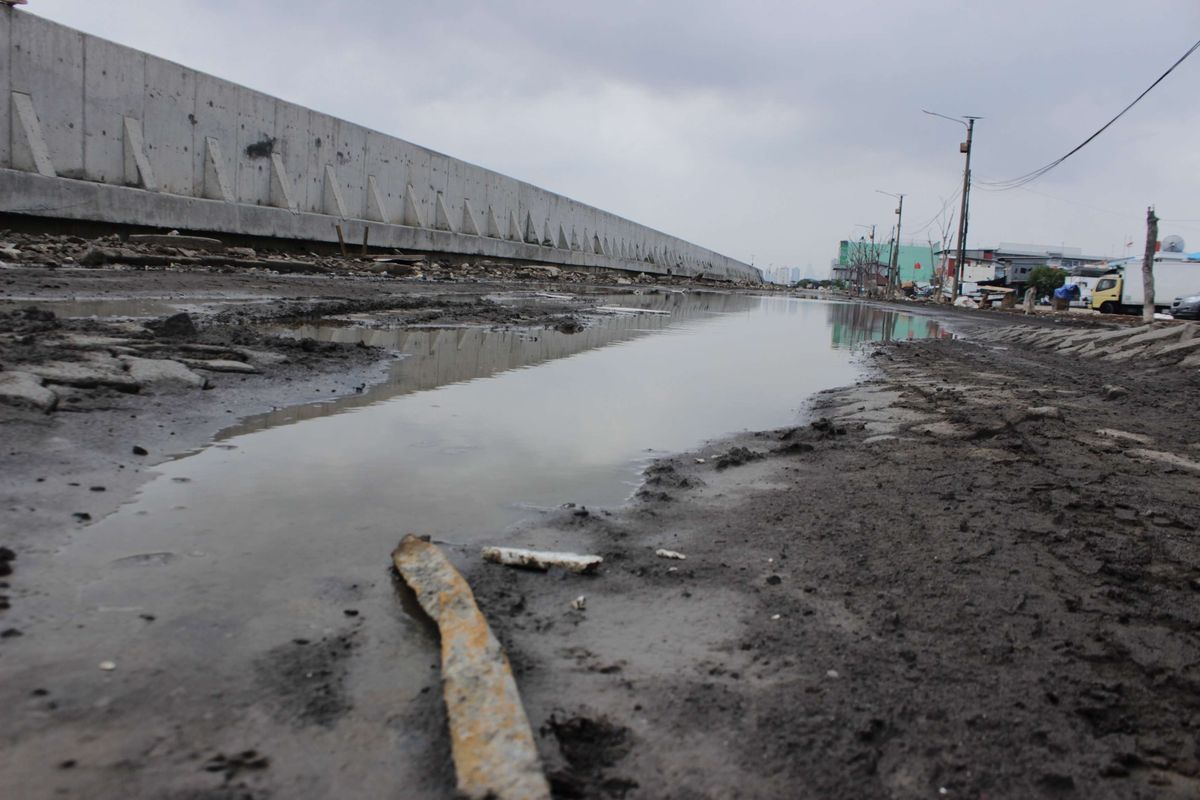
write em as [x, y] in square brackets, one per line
[1106, 296]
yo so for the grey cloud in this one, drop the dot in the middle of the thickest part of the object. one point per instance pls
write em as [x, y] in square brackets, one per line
[750, 127]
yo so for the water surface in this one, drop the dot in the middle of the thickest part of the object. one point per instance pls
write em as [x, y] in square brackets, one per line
[273, 533]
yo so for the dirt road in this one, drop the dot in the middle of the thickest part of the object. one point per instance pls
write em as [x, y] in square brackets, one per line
[973, 575]
[974, 578]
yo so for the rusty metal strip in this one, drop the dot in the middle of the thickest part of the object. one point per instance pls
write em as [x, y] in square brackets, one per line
[494, 752]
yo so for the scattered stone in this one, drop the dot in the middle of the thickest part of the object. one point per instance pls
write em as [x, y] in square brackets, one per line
[1169, 459]
[774, 580]
[1113, 433]
[92, 342]
[138, 450]
[108, 666]
[579, 603]
[230, 766]
[1111, 391]
[222, 365]
[85, 376]
[736, 457]
[177, 240]
[162, 370]
[1043, 412]
[176, 326]
[263, 358]
[26, 389]
[880, 438]
[826, 428]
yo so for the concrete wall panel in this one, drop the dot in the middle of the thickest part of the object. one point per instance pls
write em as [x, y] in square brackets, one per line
[385, 160]
[322, 144]
[114, 87]
[216, 114]
[420, 177]
[6, 16]
[255, 144]
[292, 143]
[47, 63]
[349, 164]
[168, 124]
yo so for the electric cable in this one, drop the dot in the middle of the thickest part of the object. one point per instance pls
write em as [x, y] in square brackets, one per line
[1030, 177]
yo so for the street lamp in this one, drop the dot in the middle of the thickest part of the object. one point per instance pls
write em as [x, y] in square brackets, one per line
[965, 147]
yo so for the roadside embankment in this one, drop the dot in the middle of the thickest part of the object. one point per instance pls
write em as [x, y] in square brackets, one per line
[973, 574]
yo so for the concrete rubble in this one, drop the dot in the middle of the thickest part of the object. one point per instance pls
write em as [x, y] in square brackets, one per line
[542, 560]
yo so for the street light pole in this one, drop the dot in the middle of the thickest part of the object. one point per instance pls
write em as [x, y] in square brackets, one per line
[962, 216]
[894, 255]
[961, 239]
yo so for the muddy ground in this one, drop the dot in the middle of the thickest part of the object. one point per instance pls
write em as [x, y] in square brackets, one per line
[102, 379]
[929, 591]
[933, 591]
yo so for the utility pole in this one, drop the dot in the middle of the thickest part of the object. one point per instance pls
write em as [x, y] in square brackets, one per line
[894, 251]
[874, 259]
[1148, 266]
[964, 147]
[896, 254]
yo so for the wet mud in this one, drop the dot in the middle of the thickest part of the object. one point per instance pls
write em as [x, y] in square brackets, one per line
[971, 575]
[955, 581]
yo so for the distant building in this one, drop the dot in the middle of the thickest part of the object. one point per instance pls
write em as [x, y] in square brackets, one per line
[1009, 264]
[915, 261]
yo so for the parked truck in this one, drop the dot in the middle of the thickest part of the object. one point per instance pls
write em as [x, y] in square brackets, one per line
[1120, 291]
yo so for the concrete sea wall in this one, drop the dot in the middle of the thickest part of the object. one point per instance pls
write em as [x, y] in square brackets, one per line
[92, 130]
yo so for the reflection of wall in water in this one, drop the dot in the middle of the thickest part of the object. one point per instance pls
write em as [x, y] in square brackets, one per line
[853, 323]
[439, 356]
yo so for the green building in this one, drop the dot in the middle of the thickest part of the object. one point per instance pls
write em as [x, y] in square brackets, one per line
[916, 261]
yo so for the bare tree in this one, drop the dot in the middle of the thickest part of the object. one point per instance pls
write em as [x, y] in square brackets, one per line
[943, 224]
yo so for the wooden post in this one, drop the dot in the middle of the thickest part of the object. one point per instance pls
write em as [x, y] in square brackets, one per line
[341, 239]
[1148, 266]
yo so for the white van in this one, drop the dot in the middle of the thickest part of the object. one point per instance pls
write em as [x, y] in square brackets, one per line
[1086, 285]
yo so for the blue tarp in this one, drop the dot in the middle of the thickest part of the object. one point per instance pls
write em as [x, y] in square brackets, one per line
[1068, 292]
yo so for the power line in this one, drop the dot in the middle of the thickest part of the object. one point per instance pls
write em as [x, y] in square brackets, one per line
[1128, 216]
[1029, 177]
[945, 205]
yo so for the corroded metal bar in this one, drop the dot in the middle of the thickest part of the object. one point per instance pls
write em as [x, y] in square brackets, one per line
[494, 752]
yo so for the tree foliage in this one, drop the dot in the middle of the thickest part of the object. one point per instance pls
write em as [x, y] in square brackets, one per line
[1046, 279]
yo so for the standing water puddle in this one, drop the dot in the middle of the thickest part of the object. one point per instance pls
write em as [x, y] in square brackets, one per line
[273, 534]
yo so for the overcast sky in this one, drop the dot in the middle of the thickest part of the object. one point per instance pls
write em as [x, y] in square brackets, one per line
[758, 129]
